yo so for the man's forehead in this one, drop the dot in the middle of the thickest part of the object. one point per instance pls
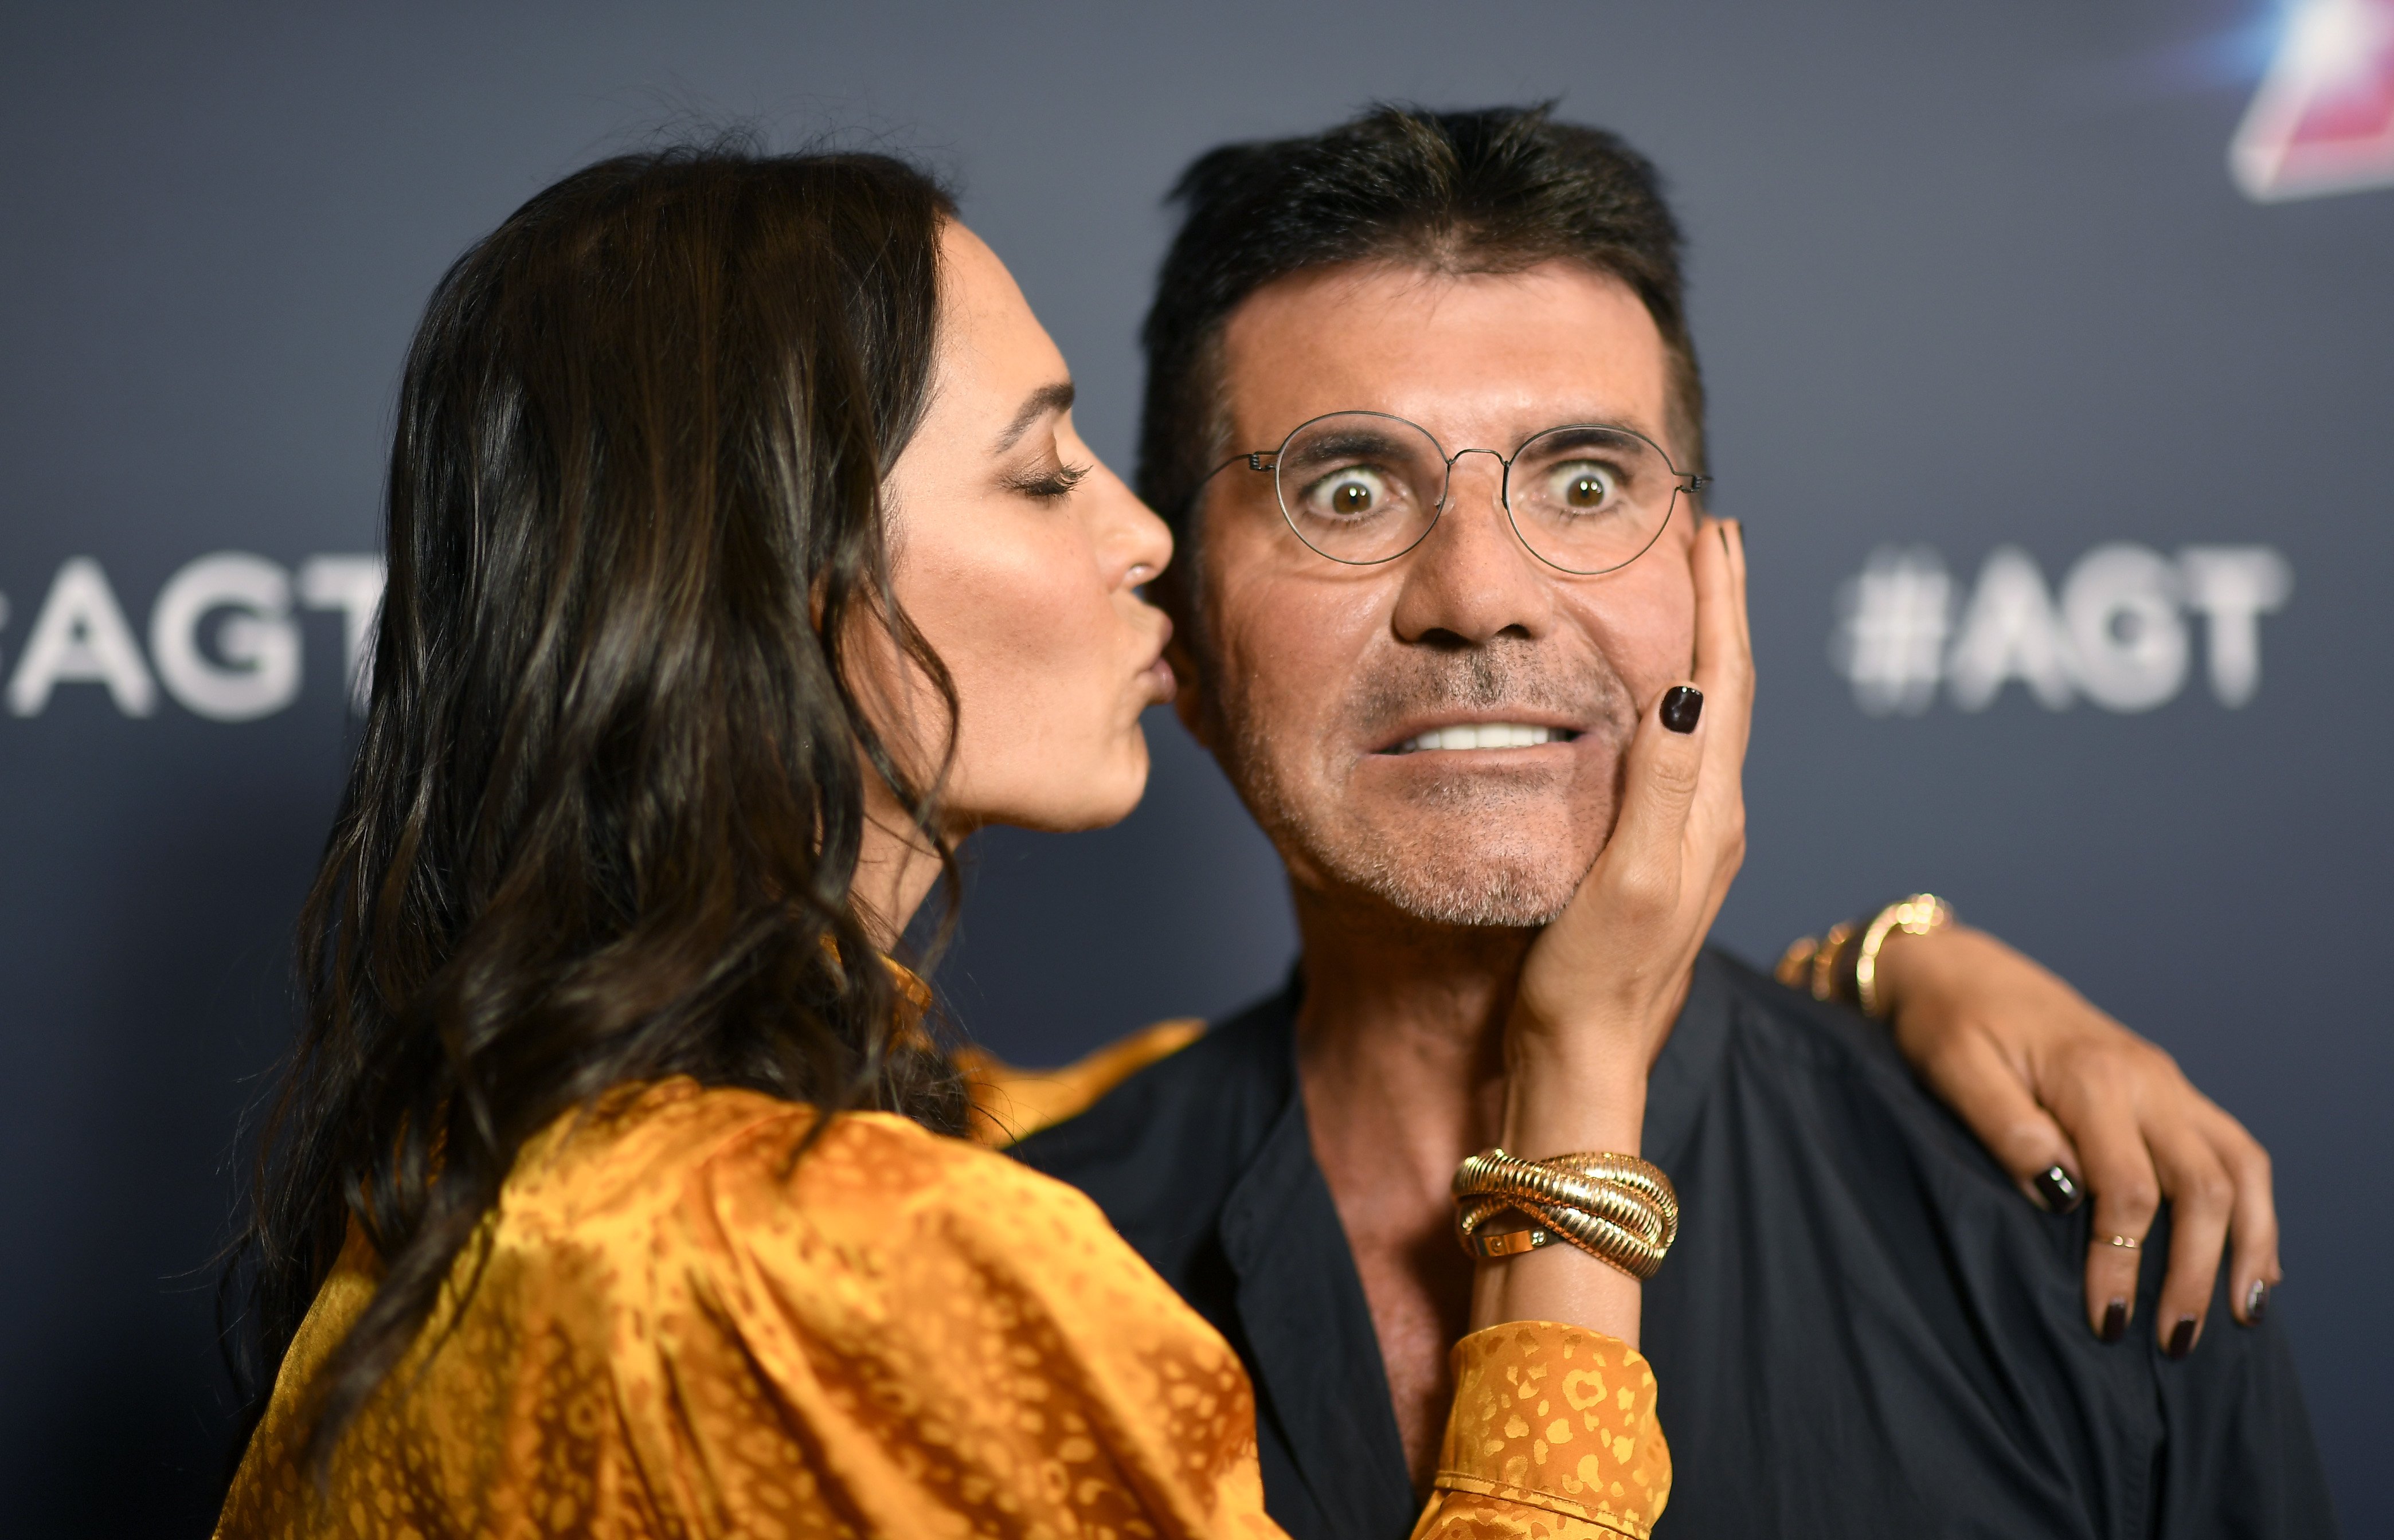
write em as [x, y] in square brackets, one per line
[1461, 353]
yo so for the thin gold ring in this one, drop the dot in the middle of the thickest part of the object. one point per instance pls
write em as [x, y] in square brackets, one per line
[2127, 1242]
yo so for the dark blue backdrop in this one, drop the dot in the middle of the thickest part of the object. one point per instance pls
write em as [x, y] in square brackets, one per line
[1965, 279]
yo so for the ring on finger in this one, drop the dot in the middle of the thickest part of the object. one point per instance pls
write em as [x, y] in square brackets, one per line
[2125, 1243]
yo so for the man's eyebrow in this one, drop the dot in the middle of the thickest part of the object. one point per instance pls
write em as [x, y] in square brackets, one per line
[1048, 397]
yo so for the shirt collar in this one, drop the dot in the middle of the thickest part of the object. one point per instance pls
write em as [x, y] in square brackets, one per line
[1301, 1304]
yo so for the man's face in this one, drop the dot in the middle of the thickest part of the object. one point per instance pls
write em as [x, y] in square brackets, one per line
[1318, 679]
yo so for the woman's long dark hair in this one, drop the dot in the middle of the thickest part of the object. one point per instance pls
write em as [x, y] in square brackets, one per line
[604, 822]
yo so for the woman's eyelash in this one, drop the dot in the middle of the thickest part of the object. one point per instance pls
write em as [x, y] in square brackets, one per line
[1048, 486]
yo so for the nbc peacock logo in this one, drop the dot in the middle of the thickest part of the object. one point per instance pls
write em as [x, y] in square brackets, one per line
[2323, 119]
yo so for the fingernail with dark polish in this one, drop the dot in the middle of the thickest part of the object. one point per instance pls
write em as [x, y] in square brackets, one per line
[1683, 705]
[2182, 1341]
[2256, 1302]
[2116, 1321]
[2060, 1193]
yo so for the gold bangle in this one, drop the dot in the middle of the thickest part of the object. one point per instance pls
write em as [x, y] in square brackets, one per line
[1598, 1237]
[1621, 1189]
[1824, 961]
[1615, 1207]
[1917, 915]
[1630, 1214]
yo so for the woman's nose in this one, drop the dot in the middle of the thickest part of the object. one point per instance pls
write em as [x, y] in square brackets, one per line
[1144, 540]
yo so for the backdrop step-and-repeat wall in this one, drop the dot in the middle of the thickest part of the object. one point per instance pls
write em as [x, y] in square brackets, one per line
[2052, 353]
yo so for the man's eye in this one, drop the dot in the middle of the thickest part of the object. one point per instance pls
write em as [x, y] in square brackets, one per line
[1349, 493]
[1581, 486]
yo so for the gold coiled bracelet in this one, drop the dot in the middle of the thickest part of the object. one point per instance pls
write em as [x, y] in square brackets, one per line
[1617, 1208]
[1843, 963]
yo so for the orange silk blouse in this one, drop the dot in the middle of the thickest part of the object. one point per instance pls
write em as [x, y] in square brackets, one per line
[678, 1331]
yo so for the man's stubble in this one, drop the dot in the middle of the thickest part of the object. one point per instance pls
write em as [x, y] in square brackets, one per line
[1469, 850]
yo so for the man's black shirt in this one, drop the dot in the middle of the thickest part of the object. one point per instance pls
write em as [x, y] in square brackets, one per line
[1863, 1329]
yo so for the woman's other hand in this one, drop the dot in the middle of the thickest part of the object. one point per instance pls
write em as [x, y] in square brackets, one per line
[2046, 1080]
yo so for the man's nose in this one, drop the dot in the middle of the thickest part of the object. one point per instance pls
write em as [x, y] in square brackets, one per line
[1471, 580]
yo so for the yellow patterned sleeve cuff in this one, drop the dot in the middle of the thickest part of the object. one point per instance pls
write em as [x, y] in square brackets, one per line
[1556, 1419]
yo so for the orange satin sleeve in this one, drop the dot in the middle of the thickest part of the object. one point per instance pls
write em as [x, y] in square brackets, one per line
[1552, 1432]
[678, 1330]
[1009, 1103]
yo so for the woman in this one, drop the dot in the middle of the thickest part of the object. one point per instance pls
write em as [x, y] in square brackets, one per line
[741, 560]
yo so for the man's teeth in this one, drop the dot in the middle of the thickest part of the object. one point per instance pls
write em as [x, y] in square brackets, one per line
[1484, 735]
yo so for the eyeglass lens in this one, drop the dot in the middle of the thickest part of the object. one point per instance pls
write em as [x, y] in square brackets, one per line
[1360, 487]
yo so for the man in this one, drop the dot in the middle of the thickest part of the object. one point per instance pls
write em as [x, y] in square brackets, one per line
[1419, 668]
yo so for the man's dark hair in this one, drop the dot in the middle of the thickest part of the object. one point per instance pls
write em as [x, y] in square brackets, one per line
[1498, 190]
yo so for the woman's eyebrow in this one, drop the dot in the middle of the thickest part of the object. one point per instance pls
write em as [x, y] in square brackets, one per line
[1048, 397]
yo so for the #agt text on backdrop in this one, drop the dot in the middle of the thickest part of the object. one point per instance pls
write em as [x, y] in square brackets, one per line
[225, 637]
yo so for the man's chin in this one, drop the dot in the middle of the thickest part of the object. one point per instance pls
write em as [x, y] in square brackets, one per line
[1482, 905]
[1511, 882]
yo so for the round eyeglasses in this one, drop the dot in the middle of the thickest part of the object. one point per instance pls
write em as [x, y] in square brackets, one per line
[1365, 487]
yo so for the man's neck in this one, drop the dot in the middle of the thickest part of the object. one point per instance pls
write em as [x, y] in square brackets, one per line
[1401, 1034]
[1401, 1061]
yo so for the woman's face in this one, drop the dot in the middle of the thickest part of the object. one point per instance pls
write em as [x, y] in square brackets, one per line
[1020, 558]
